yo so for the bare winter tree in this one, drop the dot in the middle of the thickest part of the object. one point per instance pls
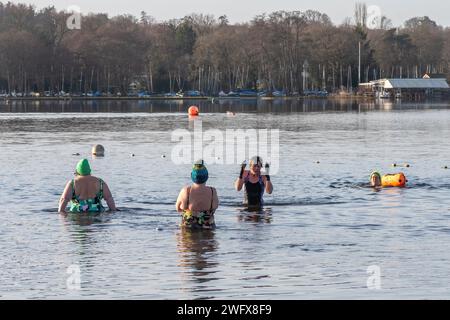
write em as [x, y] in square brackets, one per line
[283, 50]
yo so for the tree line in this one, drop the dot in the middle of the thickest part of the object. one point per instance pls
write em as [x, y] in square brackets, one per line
[290, 51]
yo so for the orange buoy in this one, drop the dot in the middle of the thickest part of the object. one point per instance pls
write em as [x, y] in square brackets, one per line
[193, 111]
[393, 180]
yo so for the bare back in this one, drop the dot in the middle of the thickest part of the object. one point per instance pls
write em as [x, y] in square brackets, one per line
[198, 198]
[86, 187]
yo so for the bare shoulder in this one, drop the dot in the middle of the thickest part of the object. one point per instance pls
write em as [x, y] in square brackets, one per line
[184, 190]
[97, 179]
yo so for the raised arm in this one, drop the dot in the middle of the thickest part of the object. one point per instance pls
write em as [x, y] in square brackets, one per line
[107, 195]
[239, 183]
[65, 197]
[267, 182]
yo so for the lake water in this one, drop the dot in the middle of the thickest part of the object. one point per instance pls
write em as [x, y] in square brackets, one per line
[323, 233]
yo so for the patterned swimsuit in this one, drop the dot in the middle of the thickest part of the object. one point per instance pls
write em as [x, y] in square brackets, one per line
[88, 205]
[202, 219]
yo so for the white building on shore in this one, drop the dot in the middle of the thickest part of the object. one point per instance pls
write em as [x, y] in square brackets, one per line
[406, 88]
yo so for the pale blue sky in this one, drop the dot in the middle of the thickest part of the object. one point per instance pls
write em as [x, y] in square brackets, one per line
[244, 10]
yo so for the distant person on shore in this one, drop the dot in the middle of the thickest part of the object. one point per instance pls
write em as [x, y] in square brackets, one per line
[198, 203]
[98, 150]
[254, 183]
[85, 192]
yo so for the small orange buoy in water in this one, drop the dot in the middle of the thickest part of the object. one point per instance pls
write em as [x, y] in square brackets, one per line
[393, 180]
[193, 111]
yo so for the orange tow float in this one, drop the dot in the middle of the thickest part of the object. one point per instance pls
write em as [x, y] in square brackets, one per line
[394, 180]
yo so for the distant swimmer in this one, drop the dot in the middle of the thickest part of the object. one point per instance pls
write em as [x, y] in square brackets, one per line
[85, 192]
[254, 183]
[387, 180]
[98, 150]
[231, 113]
[198, 203]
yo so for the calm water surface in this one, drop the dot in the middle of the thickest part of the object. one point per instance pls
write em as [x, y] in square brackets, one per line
[320, 231]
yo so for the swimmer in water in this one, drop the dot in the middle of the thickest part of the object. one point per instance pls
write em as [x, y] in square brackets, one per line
[254, 183]
[388, 180]
[375, 179]
[85, 192]
[98, 150]
[197, 203]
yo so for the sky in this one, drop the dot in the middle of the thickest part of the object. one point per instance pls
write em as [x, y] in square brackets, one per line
[244, 10]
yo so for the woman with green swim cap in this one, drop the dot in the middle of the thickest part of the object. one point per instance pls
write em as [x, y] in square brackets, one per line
[85, 192]
[375, 179]
[198, 203]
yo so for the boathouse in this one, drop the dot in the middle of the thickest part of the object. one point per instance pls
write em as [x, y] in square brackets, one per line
[407, 88]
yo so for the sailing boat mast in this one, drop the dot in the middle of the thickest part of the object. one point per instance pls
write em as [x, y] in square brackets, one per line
[359, 62]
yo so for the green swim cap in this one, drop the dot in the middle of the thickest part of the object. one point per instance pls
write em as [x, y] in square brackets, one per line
[375, 173]
[83, 168]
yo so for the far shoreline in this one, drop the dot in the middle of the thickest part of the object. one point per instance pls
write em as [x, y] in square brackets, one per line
[332, 97]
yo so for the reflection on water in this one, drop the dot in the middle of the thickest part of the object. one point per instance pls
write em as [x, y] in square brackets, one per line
[255, 215]
[84, 229]
[320, 230]
[216, 106]
[196, 249]
[85, 219]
